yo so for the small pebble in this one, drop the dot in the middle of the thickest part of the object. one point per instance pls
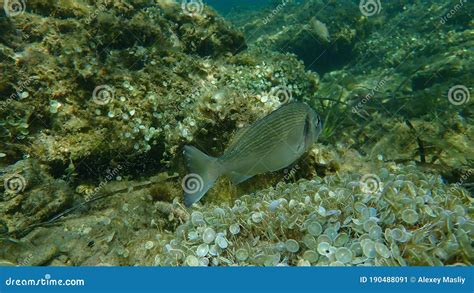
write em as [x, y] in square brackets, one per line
[25, 95]
[344, 255]
[314, 228]
[257, 217]
[242, 254]
[292, 246]
[234, 229]
[410, 216]
[149, 245]
[208, 235]
[202, 250]
[222, 242]
[192, 261]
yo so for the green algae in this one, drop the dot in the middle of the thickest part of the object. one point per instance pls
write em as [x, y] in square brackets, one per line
[142, 88]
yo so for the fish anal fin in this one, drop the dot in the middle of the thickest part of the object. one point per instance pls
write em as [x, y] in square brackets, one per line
[238, 178]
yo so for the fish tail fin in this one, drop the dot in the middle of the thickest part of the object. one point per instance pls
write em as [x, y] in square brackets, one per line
[204, 171]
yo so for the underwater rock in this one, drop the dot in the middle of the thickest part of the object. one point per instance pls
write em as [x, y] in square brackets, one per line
[138, 79]
[30, 195]
[40, 256]
[324, 42]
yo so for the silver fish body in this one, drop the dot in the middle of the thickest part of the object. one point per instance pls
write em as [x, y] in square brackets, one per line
[270, 144]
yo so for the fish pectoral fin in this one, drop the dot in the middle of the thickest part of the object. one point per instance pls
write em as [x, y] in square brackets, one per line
[300, 148]
[237, 178]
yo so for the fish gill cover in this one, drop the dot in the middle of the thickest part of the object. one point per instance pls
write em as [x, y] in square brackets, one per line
[99, 98]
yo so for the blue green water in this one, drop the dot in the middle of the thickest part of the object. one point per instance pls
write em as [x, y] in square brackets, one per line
[225, 7]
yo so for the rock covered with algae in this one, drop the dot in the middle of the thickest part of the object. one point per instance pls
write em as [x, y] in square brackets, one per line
[30, 195]
[309, 29]
[93, 79]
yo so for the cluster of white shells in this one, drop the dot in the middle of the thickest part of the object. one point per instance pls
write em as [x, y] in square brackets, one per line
[415, 219]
